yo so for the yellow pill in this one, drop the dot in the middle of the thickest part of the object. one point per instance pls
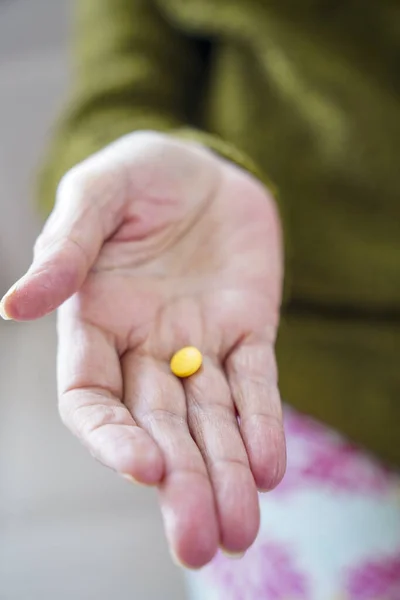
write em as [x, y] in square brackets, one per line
[186, 362]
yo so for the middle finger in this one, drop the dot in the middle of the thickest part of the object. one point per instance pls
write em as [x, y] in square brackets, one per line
[213, 424]
[157, 402]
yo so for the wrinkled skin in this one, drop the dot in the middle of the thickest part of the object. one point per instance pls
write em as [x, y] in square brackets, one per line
[155, 244]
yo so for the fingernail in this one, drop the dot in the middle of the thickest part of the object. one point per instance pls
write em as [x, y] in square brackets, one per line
[3, 313]
[233, 555]
[129, 478]
[180, 564]
[176, 560]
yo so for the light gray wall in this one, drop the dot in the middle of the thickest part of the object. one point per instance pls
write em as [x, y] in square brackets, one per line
[69, 529]
[33, 81]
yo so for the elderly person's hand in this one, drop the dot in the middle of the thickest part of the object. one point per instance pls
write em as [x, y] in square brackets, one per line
[155, 244]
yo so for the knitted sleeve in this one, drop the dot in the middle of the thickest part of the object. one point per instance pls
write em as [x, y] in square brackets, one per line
[131, 71]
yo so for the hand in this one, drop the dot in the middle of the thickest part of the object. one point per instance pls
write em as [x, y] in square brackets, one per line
[155, 244]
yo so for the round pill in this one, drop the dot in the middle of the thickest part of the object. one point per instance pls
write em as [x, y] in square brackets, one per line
[186, 362]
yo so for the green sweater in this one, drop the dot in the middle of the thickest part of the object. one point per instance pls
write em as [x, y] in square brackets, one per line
[308, 91]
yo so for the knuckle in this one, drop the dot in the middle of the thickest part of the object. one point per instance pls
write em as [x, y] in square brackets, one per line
[84, 420]
[80, 185]
[40, 243]
[271, 421]
[99, 181]
[163, 416]
[216, 414]
[149, 138]
[70, 181]
[65, 414]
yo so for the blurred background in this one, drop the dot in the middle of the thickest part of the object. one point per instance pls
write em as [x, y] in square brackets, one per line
[69, 529]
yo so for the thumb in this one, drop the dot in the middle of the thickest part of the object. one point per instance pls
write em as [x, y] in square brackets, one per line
[88, 209]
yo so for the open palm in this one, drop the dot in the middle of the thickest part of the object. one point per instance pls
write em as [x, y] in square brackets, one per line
[156, 244]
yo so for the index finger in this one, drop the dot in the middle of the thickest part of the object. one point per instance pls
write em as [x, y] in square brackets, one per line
[90, 391]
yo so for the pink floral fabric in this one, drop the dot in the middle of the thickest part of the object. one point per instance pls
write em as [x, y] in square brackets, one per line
[321, 457]
[331, 531]
[375, 579]
[276, 577]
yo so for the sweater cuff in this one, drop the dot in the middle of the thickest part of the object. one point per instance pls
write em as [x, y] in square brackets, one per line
[227, 151]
